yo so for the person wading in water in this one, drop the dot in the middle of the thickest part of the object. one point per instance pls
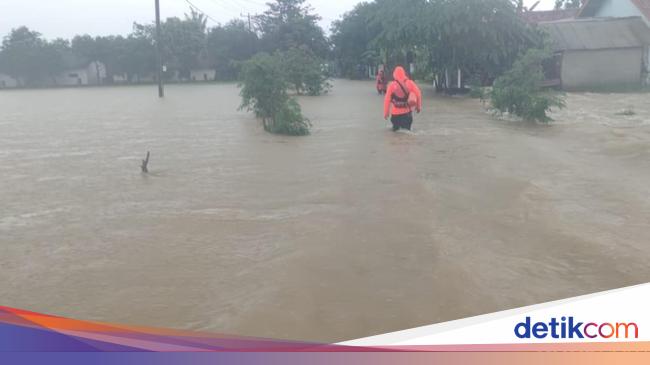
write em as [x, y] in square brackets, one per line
[381, 82]
[403, 95]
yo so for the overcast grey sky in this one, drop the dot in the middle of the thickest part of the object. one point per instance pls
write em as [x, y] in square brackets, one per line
[66, 18]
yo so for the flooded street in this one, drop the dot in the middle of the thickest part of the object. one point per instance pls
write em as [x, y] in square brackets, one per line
[351, 232]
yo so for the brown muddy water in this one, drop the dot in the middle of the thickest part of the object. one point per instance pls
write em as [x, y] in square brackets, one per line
[353, 231]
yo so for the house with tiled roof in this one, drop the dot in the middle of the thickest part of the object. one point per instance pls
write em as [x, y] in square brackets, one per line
[621, 9]
[599, 53]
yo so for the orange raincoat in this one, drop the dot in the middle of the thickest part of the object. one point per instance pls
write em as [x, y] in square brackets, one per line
[395, 90]
[381, 82]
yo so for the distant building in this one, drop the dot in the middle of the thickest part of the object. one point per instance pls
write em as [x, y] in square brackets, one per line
[91, 74]
[204, 70]
[79, 74]
[7, 81]
[123, 78]
[599, 52]
[203, 75]
[618, 9]
[120, 78]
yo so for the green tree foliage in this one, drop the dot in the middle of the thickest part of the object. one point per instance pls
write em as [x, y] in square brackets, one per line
[519, 91]
[91, 49]
[135, 57]
[304, 71]
[230, 44]
[289, 24]
[183, 40]
[353, 36]
[132, 56]
[55, 54]
[481, 37]
[264, 91]
[29, 58]
[187, 44]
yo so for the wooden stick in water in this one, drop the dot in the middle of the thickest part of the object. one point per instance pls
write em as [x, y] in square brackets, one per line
[145, 163]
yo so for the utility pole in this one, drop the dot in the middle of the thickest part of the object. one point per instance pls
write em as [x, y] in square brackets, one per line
[250, 21]
[161, 87]
[250, 28]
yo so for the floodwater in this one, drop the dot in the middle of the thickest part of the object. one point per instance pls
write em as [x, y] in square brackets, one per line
[353, 231]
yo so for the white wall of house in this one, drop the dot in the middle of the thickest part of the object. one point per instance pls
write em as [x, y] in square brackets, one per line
[203, 75]
[7, 81]
[96, 73]
[625, 8]
[82, 76]
[120, 79]
[124, 79]
[608, 67]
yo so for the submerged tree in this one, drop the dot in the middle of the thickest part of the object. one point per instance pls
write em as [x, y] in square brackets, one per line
[264, 91]
[519, 91]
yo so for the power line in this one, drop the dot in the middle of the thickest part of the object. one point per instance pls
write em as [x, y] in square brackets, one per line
[227, 7]
[246, 7]
[230, 4]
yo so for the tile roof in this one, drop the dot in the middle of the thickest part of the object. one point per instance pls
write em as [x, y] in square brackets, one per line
[535, 17]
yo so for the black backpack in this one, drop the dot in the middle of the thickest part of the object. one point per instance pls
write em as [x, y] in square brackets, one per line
[401, 102]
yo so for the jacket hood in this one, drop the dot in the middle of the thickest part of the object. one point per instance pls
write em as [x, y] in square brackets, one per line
[399, 74]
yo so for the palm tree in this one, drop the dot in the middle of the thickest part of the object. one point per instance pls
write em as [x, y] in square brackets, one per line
[198, 18]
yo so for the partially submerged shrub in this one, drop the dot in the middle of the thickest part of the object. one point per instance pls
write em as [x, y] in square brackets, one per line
[519, 91]
[264, 91]
[288, 121]
[263, 88]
